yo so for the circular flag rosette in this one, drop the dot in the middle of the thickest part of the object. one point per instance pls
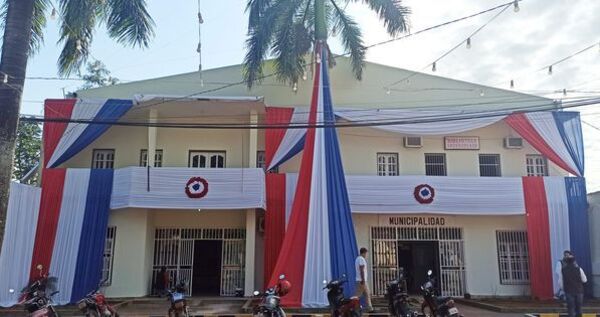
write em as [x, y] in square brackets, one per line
[424, 194]
[196, 187]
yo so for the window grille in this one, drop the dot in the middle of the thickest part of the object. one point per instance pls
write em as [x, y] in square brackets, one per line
[103, 158]
[537, 165]
[387, 164]
[158, 157]
[204, 159]
[108, 256]
[489, 165]
[513, 257]
[435, 164]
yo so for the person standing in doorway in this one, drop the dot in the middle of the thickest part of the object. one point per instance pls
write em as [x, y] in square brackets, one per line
[162, 282]
[571, 281]
[362, 287]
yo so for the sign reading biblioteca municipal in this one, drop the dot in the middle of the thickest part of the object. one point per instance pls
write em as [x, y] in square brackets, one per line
[417, 221]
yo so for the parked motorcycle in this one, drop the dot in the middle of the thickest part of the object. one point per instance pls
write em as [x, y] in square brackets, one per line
[37, 296]
[269, 305]
[434, 305]
[179, 307]
[339, 305]
[94, 304]
[397, 296]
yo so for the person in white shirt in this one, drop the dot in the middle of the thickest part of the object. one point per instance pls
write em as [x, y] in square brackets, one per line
[362, 287]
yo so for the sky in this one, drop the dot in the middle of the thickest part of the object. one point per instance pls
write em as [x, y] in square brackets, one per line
[516, 45]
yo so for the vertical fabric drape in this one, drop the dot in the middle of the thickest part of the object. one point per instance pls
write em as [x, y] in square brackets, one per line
[520, 123]
[274, 221]
[53, 131]
[91, 247]
[273, 137]
[578, 223]
[19, 238]
[50, 203]
[569, 127]
[558, 217]
[538, 233]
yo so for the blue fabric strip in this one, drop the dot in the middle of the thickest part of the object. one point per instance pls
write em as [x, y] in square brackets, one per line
[579, 225]
[292, 152]
[569, 127]
[93, 233]
[342, 239]
[111, 111]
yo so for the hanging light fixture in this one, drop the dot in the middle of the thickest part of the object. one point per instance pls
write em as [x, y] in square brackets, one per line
[4, 78]
[468, 43]
[388, 91]
[564, 91]
[295, 87]
[304, 75]
[516, 6]
[550, 70]
[78, 45]
[53, 14]
[512, 83]
[433, 67]
[481, 93]
[318, 58]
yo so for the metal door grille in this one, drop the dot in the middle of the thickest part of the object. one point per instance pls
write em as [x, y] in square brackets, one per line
[385, 258]
[174, 249]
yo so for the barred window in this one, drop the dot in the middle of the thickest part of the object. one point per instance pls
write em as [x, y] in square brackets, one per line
[107, 259]
[158, 156]
[207, 159]
[103, 158]
[387, 164]
[537, 165]
[513, 257]
[261, 159]
[489, 165]
[435, 164]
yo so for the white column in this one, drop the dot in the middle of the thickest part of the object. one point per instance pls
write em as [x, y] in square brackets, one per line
[253, 144]
[152, 137]
[250, 241]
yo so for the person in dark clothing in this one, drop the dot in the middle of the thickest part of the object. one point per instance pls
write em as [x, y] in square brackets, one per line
[571, 281]
[162, 282]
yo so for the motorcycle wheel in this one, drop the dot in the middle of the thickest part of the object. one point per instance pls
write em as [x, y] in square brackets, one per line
[355, 313]
[280, 312]
[92, 313]
[53, 312]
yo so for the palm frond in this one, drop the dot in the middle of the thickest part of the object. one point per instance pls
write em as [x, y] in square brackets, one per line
[40, 8]
[393, 14]
[76, 33]
[256, 10]
[351, 38]
[129, 22]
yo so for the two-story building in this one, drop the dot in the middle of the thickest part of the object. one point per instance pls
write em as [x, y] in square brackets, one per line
[444, 191]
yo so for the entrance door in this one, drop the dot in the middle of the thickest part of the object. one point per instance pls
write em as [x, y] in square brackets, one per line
[207, 267]
[417, 257]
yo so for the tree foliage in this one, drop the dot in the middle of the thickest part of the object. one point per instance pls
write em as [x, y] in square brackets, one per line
[28, 149]
[97, 76]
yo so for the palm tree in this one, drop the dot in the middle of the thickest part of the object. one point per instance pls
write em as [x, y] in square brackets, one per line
[289, 29]
[127, 21]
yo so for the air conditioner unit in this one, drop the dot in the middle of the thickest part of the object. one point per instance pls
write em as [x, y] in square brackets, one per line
[513, 143]
[413, 141]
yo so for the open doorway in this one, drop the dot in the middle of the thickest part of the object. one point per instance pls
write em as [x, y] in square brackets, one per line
[207, 267]
[417, 257]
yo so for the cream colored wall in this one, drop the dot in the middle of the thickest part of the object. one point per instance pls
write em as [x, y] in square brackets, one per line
[134, 247]
[481, 260]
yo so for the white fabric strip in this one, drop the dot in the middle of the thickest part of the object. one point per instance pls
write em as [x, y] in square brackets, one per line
[291, 137]
[19, 238]
[290, 191]
[68, 232]
[558, 216]
[545, 125]
[453, 195]
[228, 188]
[427, 128]
[83, 109]
[317, 261]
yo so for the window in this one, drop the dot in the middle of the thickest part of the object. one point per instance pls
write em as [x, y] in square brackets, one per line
[261, 159]
[513, 257]
[158, 155]
[537, 165]
[435, 164]
[207, 159]
[107, 259]
[103, 158]
[489, 165]
[387, 164]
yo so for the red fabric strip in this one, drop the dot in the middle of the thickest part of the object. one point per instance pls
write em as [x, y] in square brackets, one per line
[274, 221]
[273, 137]
[52, 192]
[538, 238]
[519, 122]
[293, 249]
[53, 131]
